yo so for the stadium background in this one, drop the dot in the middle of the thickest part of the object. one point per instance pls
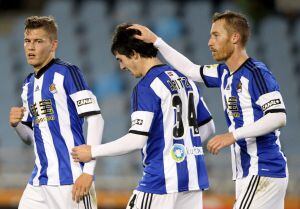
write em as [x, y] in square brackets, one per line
[85, 29]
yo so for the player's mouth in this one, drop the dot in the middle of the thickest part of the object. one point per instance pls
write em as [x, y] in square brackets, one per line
[31, 56]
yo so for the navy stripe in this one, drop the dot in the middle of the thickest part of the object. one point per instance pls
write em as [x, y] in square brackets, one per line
[75, 79]
[250, 185]
[85, 202]
[151, 197]
[79, 77]
[89, 201]
[253, 194]
[260, 89]
[142, 206]
[275, 111]
[139, 132]
[248, 197]
[75, 73]
[260, 75]
[147, 198]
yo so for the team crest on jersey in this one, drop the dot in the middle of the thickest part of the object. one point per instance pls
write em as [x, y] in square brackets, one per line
[178, 153]
[239, 87]
[170, 73]
[52, 88]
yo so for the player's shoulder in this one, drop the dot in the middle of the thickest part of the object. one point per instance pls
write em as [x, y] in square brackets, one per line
[65, 66]
[28, 78]
[256, 68]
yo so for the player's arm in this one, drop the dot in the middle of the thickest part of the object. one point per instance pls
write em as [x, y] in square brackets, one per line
[121, 146]
[264, 125]
[23, 129]
[176, 59]
[95, 125]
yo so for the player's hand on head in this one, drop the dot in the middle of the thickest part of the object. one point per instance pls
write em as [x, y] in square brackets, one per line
[146, 34]
[82, 186]
[82, 153]
[15, 116]
[220, 141]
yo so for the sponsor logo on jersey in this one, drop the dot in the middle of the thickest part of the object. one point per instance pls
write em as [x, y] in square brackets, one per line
[42, 111]
[270, 104]
[52, 88]
[85, 101]
[137, 122]
[179, 152]
[232, 107]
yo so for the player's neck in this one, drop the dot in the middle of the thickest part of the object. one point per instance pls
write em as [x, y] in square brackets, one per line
[236, 60]
[149, 63]
[38, 68]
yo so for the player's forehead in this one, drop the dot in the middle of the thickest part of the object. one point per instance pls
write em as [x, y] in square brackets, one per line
[218, 26]
[36, 33]
[120, 56]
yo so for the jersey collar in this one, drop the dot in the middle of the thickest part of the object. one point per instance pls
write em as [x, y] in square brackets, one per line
[43, 69]
[155, 66]
[242, 65]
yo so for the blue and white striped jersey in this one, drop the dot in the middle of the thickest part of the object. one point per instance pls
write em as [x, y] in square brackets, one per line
[168, 108]
[248, 94]
[56, 100]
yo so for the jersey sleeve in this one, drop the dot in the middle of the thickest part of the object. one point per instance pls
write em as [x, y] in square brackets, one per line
[203, 114]
[85, 101]
[265, 90]
[27, 118]
[143, 107]
[211, 75]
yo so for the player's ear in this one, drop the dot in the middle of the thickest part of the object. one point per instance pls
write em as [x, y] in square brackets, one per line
[235, 38]
[135, 55]
[54, 45]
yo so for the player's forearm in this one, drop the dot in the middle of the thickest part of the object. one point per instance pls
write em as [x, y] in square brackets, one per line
[207, 130]
[178, 60]
[25, 133]
[264, 125]
[95, 125]
[121, 146]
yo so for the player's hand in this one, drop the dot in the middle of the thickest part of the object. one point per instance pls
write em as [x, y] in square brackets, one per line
[82, 186]
[15, 116]
[219, 141]
[146, 34]
[82, 153]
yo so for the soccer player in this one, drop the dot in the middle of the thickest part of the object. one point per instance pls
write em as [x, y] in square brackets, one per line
[253, 108]
[169, 122]
[56, 101]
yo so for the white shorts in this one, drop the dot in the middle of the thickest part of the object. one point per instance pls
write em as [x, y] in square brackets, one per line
[179, 200]
[58, 197]
[259, 192]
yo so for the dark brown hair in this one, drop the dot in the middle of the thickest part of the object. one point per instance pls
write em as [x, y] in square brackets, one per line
[46, 22]
[125, 43]
[235, 22]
